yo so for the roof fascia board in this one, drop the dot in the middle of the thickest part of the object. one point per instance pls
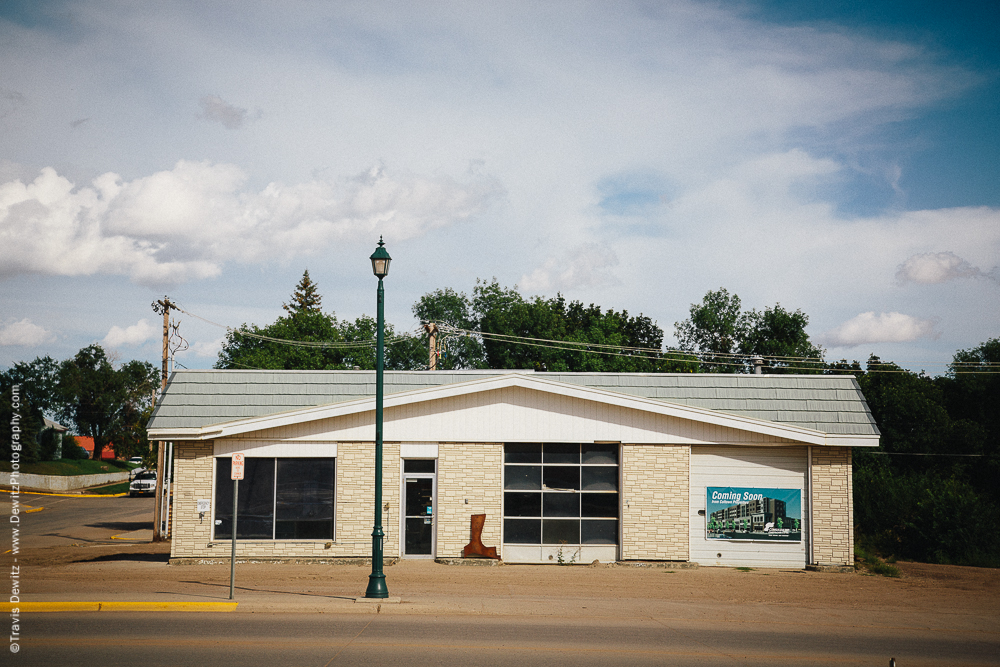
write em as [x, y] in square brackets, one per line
[838, 440]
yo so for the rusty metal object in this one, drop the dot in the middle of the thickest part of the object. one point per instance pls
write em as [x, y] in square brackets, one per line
[475, 548]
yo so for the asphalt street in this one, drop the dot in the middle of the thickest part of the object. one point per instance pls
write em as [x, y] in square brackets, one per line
[372, 638]
[52, 520]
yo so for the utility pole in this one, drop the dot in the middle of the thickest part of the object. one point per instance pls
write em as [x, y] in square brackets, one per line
[432, 331]
[163, 306]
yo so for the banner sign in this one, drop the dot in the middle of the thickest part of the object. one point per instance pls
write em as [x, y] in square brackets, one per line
[745, 513]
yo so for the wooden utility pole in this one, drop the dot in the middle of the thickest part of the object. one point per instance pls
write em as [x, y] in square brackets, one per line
[163, 305]
[432, 331]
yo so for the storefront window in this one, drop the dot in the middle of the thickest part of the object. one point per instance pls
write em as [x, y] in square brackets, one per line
[557, 493]
[283, 499]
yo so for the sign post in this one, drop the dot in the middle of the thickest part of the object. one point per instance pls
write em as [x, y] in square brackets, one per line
[237, 475]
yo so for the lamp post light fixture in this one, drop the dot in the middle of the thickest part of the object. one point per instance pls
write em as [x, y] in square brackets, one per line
[376, 580]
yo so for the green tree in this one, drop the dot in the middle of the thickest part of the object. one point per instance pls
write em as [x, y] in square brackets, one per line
[305, 298]
[106, 403]
[972, 398]
[319, 340]
[451, 308]
[781, 335]
[591, 338]
[715, 331]
[725, 338]
[27, 417]
[37, 381]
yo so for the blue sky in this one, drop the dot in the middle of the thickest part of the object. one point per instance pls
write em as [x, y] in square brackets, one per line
[836, 157]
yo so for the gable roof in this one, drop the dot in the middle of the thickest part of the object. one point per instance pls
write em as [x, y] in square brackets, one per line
[201, 402]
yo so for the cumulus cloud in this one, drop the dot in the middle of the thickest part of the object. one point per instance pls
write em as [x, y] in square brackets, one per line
[588, 265]
[209, 349]
[25, 334]
[932, 268]
[216, 109]
[137, 334]
[184, 224]
[882, 328]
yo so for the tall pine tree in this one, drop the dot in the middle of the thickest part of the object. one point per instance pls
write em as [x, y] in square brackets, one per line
[305, 298]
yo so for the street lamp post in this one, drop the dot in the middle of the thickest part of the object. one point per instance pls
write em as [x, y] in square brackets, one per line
[376, 580]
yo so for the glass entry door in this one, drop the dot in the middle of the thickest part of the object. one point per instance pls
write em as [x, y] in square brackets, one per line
[419, 508]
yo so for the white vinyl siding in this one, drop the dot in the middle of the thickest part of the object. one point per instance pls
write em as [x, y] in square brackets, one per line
[762, 467]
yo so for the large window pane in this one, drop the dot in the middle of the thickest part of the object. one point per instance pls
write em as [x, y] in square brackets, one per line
[599, 532]
[599, 504]
[255, 511]
[599, 478]
[579, 485]
[522, 504]
[522, 531]
[521, 452]
[304, 499]
[561, 477]
[527, 478]
[600, 454]
[561, 504]
[560, 531]
[560, 453]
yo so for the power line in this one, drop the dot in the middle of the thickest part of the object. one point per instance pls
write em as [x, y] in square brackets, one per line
[298, 343]
[673, 354]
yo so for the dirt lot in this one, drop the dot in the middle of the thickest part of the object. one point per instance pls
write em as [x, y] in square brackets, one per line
[931, 595]
[72, 552]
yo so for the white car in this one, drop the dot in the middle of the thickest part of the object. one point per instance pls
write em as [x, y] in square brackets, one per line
[136, 460]
[144, 482]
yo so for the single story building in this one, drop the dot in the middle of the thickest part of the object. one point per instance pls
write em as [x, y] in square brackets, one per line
[715, 469]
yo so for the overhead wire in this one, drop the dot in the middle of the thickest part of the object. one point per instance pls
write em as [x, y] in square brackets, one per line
[631, 352]
[673, 354]
[299, 343]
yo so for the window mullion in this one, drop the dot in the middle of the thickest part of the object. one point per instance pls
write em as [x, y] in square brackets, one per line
[274, 501]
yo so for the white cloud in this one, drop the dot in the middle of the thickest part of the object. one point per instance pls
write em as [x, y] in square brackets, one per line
[186, 223]
[931, 268]
[588, 265]
[137, 334]
[217, 109]
[207, 349]
[882, 328]
[25, 333]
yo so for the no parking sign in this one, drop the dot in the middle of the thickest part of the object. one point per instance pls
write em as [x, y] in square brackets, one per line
[237, 472]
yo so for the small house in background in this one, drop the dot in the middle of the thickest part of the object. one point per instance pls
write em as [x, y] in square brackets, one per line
[87, 442]
[54, 431]
[715, 469]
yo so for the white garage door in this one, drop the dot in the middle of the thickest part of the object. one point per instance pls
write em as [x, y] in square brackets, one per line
[743, 467]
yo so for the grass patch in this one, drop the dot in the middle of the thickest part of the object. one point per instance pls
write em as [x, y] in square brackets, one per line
[870, 561]
[745, 569]
[111, 490]
[69, 467]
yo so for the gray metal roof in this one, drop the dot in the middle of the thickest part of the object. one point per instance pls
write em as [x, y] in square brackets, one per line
[827, 403]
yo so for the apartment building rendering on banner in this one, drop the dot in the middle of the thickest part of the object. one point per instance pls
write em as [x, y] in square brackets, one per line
[565, 466]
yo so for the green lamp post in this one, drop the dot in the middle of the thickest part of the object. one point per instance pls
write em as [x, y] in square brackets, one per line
[376, 580]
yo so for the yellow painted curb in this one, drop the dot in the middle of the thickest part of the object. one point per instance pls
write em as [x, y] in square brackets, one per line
[26, 607]
[68, 495]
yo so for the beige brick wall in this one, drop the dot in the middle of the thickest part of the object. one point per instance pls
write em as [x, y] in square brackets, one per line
[833, 506]
[655, 489]
[192, 481]
[472, 472]
[354, 518]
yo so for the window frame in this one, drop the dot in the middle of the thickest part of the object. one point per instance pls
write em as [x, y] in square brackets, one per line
[216, 537]
[536, 524]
